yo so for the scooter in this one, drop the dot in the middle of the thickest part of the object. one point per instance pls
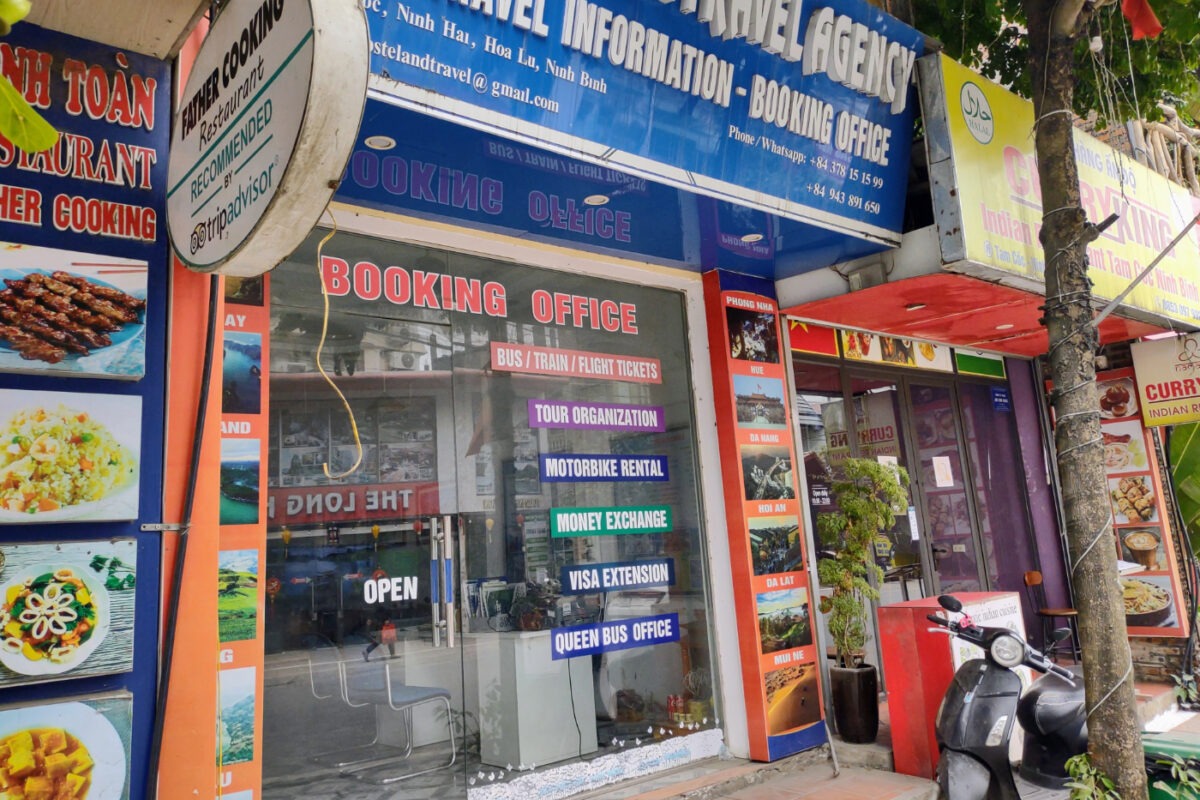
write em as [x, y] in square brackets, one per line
[983, 704]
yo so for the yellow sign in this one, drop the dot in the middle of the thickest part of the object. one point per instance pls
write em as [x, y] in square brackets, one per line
[1168, 379]
[996, 178]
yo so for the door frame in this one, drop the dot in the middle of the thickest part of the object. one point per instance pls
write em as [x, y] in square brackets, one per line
[912, 445]
[709, 470]
[903, 381]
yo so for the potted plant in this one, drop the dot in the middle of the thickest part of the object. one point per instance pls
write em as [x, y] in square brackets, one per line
[698, 684]
[866, 494]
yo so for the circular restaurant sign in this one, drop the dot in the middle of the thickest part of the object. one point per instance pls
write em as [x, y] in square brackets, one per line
[263, 131]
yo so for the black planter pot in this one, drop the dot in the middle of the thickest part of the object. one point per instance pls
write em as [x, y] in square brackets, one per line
[855, 702]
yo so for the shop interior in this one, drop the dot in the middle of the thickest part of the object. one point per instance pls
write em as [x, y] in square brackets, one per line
[412, 604]
[960, 450]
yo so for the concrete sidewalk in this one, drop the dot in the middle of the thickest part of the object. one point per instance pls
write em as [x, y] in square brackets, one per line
[853, 783]
[866, 769]
[807, 775]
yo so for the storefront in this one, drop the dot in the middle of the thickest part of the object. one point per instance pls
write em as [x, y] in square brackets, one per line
[527, 437]
[510, 562]
[953, 420]
[944, 375]
[497, 550]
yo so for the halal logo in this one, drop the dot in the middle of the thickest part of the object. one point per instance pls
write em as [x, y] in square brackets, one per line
[1189, 353]
[977, 113]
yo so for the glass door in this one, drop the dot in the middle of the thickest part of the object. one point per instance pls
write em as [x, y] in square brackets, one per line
[364, 681]
[879, 423]
[945, 492]
[511, 580]
[861, 418]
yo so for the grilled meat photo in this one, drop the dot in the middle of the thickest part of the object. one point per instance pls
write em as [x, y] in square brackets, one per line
[48, 317]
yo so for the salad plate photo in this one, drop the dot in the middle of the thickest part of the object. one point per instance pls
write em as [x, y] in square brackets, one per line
[52, 618]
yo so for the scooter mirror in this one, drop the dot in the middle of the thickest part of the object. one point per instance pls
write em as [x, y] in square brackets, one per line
[950, 603]
[1061, 635]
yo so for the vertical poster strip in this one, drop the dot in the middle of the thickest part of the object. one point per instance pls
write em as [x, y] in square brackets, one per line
[772, 596]
[1144, 532]
[243, 515]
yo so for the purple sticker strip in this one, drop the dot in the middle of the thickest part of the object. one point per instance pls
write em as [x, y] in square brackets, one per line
[595, 416]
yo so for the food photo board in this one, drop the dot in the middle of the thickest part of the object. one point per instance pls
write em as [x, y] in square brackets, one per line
[68, 456]
[1141, 528]
[66, 610]
[69, 313]
[74, 748]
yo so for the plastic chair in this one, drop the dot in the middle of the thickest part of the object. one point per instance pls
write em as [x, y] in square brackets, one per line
[374, 683]
[1051, 617]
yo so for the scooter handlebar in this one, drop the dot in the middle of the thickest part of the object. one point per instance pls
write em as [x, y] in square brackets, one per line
[1061, 672]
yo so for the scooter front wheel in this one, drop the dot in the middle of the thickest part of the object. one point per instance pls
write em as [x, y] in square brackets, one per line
[964, 777]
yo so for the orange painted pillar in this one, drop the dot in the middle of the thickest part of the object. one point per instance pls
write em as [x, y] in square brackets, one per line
[188, 763]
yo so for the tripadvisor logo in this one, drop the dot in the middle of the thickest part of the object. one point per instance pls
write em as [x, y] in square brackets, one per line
[977, 113]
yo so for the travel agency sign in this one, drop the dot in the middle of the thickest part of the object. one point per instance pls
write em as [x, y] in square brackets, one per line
[798, 109]
[263, 131]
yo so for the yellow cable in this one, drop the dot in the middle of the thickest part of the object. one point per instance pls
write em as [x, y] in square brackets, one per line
[320, 346]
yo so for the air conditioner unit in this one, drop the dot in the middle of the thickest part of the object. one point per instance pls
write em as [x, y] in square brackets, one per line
[410, 358]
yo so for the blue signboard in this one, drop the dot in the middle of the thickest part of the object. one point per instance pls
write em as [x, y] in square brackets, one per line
[408, 162]
[805, 111]
[1001, 399]
[617, 576]
[572, 468]
[605, 637]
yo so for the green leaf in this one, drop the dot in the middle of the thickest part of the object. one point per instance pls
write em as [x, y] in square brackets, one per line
[13, 11]
[23, 126]
[1184, 458]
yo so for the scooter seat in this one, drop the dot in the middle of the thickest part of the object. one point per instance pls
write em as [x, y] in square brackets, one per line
[1052, 706]
[1054, 716]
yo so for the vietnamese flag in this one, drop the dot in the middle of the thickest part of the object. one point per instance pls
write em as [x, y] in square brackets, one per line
[808, 338]
[1141, 18]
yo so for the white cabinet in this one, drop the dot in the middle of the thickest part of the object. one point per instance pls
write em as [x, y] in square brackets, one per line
[532, 709]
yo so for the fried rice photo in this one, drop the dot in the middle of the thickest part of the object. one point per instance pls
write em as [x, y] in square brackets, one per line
[56, 458]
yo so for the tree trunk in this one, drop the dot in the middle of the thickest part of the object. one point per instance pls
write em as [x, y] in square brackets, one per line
[1114, 730]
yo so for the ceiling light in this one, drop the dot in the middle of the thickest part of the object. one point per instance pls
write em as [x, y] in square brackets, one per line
[1006, 326]
[751, 238]
[596, 200]
[914, 306]
[380, 142]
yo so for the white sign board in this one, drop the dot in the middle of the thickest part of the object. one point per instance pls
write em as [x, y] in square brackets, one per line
[263, 131]
[1168, 383]
[1000, 611]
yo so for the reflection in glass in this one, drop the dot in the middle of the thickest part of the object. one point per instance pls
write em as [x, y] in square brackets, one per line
[452, 476]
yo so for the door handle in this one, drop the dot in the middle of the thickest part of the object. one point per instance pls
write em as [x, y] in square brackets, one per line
[435, 579]
[441, 580]
[447, 551]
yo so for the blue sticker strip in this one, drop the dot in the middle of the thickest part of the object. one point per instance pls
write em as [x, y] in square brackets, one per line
[574, 468]
[605, 637]
[617, 576]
